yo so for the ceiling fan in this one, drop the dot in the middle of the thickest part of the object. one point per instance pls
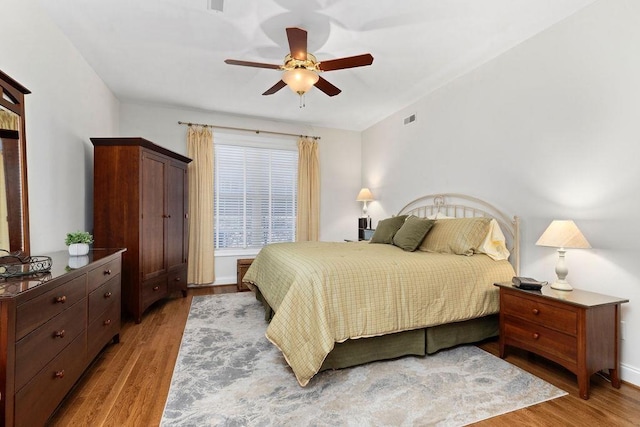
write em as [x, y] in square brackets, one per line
[301, 68]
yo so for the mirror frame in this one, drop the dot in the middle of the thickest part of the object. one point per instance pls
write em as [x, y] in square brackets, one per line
[16, 165]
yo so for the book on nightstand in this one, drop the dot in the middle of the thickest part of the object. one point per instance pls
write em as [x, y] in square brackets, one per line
[527, 283]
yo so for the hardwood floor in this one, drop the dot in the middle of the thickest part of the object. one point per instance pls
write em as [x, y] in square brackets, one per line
[128, 383]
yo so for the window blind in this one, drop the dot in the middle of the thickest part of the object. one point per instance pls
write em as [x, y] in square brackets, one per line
[255, 196]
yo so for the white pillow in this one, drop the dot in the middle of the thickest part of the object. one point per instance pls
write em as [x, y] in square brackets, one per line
[494, 245]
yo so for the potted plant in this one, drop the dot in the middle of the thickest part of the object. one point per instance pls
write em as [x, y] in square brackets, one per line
[78, 242]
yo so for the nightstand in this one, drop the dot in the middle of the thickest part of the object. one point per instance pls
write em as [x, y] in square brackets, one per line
[243, 265]
[578, 329]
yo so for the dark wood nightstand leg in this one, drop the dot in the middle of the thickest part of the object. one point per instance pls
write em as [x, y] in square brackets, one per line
[583, 385]
[614, 373]
[615, 378]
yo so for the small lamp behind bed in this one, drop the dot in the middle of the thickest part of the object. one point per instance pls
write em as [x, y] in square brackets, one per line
[364, 196]
[563, 234]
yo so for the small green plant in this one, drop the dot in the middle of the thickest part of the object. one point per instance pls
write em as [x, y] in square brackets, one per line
[78, 237]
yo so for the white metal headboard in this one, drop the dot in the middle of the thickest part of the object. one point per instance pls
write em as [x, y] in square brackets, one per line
[463, 206]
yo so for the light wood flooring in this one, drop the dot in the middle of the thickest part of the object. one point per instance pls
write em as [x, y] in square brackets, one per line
[128, 383]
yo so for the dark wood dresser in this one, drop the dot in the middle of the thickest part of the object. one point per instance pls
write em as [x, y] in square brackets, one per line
[51, 328]
[140, 202]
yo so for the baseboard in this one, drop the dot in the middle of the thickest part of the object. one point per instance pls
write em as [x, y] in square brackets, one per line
[630, 374]
[228, 280]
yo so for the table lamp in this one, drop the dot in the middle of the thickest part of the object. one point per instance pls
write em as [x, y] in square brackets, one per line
[562, 234]
[364, 196]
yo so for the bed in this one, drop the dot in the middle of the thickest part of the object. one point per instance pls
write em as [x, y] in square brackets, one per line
[333, 305]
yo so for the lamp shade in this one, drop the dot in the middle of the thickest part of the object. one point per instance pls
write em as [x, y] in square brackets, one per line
[300, 80]
[563, 234]
[365, 195]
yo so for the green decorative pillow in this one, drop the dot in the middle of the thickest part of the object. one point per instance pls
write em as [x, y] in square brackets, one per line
[412, 233]
[460, 236]
[387, 228]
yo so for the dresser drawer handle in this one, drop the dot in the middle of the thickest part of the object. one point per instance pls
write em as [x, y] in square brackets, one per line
[107, 294]
[59, 374]
[535, 335]
[107, 272]
[155, 288]
[536, 311]
[61, 299]
[177, 279]
[59, 334]
[107, 322]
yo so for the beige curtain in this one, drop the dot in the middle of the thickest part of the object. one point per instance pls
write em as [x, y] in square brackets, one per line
[201, 243]
[308, 218]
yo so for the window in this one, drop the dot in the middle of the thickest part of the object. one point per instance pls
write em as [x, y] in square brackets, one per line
[255, 191]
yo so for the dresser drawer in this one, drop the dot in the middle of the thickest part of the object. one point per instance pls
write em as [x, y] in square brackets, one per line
[102, 297]
[541, 340]
[40, 346]
[105, 272]
[551, 316]
[153, 290]
[39, 310]
[177, 280]
[104, 327]
[40, 397]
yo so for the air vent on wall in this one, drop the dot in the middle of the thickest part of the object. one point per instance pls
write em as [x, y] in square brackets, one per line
[216, 5]
[410, 119]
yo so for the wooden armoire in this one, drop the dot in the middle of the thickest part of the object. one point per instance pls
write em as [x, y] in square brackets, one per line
[140, 202]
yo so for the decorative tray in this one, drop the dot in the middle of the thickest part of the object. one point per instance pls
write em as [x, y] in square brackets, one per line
[17, 264]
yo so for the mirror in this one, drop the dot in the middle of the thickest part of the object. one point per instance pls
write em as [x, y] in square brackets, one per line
[14, 212]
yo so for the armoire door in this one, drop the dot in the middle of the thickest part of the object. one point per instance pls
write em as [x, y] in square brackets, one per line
[177, 228]
[154, 178]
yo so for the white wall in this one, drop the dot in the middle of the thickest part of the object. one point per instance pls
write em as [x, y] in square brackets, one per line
[549, 130]
[68, 104]
[339, 164]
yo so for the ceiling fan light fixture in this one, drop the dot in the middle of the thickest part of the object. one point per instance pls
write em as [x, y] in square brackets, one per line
[300, 80]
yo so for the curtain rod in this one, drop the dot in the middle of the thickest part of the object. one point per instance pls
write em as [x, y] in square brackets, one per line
[247, 130]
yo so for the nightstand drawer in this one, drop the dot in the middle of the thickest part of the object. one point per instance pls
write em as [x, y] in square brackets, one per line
[551, 316]
[541, 340]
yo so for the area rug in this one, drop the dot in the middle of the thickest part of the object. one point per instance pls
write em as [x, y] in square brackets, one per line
[229, 374]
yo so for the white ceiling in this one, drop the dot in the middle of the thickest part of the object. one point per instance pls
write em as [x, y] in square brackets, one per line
[171, 52]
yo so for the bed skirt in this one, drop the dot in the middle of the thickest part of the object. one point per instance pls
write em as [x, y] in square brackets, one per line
[417, 342]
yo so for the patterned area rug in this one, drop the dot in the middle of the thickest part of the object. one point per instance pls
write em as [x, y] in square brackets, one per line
[229, 374]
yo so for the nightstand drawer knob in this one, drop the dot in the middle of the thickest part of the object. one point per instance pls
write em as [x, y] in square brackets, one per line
[535, 335]
[536, 311]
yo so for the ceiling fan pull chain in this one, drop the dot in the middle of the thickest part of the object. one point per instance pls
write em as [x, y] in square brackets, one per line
[302, 102]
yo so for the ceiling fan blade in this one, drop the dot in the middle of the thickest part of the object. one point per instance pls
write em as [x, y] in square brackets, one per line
[349, 62]
[297, 43]
[251, 64]
[276, 87]
[327, 87]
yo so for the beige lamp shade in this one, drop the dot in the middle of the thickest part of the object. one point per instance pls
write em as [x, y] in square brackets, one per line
[364, 195]
[563, 234]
